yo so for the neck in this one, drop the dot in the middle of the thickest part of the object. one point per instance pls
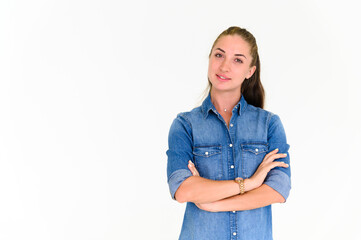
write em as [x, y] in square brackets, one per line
[225, 100]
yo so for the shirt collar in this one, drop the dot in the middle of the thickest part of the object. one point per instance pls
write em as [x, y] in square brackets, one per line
[207, 106]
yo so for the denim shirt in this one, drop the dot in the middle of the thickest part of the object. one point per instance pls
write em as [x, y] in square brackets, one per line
[224, 153]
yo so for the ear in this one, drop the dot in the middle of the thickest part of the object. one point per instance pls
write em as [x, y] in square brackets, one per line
[251, 71]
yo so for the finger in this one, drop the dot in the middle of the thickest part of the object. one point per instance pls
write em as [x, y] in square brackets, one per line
[268, 167]
[192, 168]
[276, 156]
[270, 154]
[278, 164]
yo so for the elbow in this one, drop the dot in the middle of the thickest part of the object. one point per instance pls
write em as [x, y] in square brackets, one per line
[283, 197]
[181, 196]
[280, 199]
[184, 193]
[179, 199]
[276, 196]
[280, 182]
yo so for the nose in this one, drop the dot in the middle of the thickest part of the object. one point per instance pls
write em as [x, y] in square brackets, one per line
[224, 67]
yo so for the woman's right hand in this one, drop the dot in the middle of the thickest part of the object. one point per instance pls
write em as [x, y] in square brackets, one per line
[267, 164]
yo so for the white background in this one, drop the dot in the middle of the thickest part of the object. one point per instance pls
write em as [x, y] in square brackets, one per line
[88, 90]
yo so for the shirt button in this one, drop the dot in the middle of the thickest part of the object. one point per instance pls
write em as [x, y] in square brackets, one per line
[231, 125]
[230, 145]
[206, 153]
[256, 149]
[234, 211]
[234, 234]
[232, 166]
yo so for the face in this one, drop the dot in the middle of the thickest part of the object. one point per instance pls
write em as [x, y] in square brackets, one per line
[229, 64]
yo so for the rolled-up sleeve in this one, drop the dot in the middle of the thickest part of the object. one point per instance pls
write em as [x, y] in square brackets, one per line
[179, 152]
[279, 178]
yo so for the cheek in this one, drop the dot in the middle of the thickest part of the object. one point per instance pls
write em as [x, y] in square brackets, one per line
[211, 67]
[238, 73]
[243, 73]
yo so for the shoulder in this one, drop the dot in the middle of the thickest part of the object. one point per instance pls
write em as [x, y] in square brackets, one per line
[261, 113]
[275, 128]
[190, 116]
[273, 120]
[183, 121]
[273, 125]
[251, 108]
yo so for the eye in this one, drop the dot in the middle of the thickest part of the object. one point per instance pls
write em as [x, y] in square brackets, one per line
[238, 60]
[218, 55]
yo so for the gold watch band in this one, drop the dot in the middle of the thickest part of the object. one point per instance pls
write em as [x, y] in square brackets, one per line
[240, 181]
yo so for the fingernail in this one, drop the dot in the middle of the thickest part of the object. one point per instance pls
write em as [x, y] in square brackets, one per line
[286, 165]
[276, 149]
[190, 162]
[285, 154]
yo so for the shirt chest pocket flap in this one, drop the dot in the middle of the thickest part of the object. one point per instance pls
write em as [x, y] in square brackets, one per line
[208, 161]
[252, 155]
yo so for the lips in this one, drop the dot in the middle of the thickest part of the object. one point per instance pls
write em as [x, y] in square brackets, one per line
[222, 78]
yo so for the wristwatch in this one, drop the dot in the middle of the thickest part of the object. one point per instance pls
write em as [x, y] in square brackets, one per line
[240, 181]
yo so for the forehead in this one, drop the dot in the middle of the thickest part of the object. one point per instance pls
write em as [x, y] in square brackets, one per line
[233, 44]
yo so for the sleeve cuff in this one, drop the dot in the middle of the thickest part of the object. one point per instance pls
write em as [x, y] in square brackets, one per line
[176, 179]
[279, 181]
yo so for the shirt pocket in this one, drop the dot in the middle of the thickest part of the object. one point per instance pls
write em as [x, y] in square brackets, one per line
[252, 155]
[208, 161]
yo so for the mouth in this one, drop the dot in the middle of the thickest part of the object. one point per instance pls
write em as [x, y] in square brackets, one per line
[222, 78]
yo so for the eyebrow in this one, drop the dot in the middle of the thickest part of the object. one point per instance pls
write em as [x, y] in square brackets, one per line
[240, 55]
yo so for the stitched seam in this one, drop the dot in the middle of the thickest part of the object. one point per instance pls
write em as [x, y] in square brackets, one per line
[208, 146]
[269, 117]
[183, 115]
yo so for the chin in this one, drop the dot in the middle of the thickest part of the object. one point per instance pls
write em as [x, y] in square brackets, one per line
[226, 88]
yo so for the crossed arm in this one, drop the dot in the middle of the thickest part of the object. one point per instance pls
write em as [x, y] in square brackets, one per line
[216, 196]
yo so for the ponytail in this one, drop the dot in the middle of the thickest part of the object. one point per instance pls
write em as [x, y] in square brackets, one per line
[252, 89]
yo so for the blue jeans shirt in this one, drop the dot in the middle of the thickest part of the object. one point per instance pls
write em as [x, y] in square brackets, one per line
[224, 153]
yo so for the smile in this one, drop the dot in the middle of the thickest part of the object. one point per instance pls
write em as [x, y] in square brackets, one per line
[222, 78]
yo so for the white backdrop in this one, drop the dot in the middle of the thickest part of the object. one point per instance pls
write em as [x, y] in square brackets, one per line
[88, 90]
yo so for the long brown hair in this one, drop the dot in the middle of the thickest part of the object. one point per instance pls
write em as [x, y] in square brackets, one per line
[251, 89]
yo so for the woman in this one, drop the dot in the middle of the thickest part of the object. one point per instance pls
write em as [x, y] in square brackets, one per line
[228, 159]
